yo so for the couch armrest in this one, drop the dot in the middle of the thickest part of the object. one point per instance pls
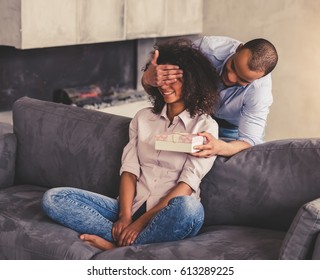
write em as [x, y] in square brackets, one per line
[8, 146]
[301, 237]
[316, 251]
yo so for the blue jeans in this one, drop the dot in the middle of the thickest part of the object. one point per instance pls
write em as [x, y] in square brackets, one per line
[92, 213]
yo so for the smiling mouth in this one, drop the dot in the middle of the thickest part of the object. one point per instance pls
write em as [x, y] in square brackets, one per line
[167, 93]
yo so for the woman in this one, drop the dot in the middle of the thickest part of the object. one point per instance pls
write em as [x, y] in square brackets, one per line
[159, 190]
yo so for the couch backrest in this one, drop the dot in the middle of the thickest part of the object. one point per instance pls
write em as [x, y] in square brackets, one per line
[7, 155]
[61, 145]
[263, 186]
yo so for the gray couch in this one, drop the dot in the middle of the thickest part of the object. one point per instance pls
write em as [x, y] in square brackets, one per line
[262, 203]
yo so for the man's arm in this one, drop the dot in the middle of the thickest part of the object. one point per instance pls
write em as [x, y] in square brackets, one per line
[158, 75]
[218, 147]
[251, 124]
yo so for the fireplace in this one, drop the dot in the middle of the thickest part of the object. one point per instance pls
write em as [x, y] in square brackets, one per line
[38, 73]
[74, 44]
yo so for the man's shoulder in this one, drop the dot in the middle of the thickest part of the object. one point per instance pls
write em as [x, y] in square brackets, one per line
[264, 82]
[217, 48]
[214, 42]
[260, 90]
[221, 39]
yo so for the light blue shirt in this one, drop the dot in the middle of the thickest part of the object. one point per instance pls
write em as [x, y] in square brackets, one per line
[246, 107]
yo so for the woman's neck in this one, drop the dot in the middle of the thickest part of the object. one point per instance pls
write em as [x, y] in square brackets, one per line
[174, 109]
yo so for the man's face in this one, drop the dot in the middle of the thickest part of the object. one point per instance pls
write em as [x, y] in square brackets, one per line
[236, 71]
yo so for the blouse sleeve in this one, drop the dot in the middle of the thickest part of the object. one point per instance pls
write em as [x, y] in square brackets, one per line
[196, 168]
[130, 160]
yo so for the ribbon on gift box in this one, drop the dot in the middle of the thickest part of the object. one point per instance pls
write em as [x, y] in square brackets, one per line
[176, 137]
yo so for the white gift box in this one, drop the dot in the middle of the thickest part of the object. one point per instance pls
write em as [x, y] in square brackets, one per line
[178, 142]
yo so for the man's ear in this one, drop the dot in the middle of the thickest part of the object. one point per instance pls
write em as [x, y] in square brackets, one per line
[239, 47]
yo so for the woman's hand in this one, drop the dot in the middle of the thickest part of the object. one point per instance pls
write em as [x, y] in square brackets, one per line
[119, 226]
[131, 232]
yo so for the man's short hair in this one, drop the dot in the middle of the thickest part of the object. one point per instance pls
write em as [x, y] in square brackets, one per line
[264, 56]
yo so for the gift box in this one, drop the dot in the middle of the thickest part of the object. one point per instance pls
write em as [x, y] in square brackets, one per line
[178, 142]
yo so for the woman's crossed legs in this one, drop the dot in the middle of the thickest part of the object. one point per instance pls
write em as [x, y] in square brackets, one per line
[93, 215]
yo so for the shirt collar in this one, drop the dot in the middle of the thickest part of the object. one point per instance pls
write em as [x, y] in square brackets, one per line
[164, 112]
[184, 116]
[224, 63]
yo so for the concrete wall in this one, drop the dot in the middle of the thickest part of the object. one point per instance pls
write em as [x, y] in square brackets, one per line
[294, 27]
[28, 24]
[10, 22]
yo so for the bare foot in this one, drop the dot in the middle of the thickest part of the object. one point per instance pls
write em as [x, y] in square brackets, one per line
[97, 241]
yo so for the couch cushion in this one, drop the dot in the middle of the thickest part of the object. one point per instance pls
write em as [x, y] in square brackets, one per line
[303, 232]
[26, 233]
[263, 186]
[214, 243]
[61, 145]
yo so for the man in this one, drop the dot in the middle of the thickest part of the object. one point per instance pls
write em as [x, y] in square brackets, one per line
[245, 90]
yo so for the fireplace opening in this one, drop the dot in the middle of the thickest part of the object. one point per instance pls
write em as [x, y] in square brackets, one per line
[92, 97]
[46, 73]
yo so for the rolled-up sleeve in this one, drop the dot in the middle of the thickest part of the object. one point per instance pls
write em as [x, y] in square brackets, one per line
[130, 160]
[196, 168]
[253, 116]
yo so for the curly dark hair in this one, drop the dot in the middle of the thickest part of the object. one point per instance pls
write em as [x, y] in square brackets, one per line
[200, 79]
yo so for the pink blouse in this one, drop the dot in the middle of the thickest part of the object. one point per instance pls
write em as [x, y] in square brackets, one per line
[159, 171]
